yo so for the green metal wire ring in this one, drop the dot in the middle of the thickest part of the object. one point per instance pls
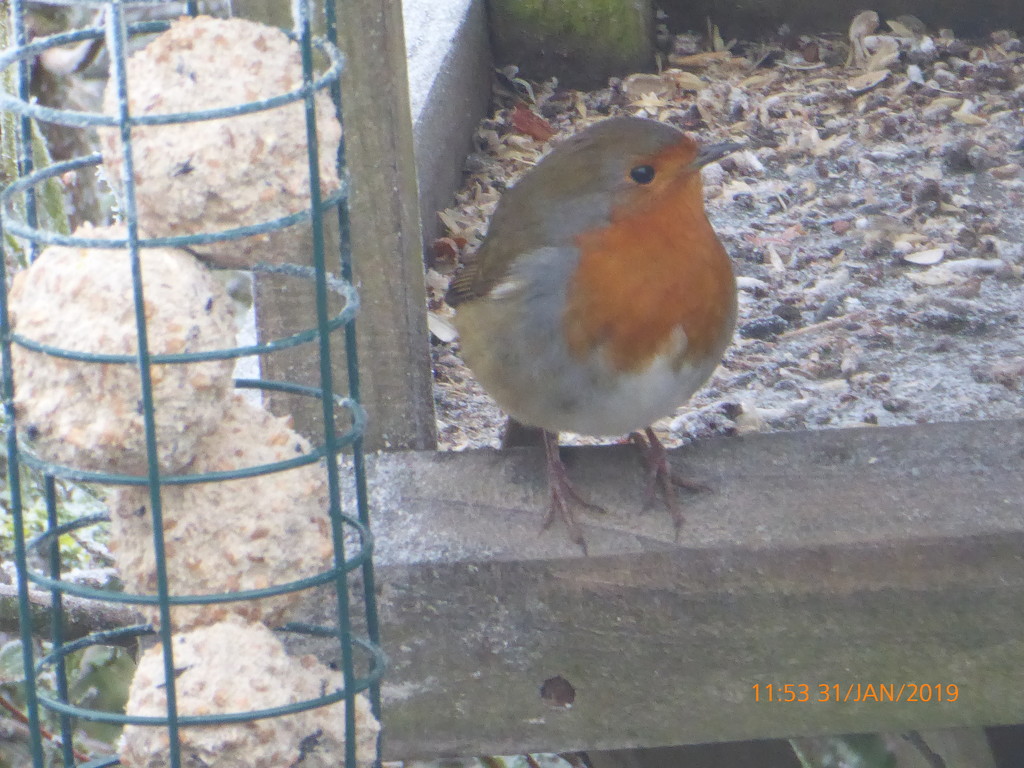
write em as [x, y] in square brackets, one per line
[107, 478]
[379, 662]
[351, 563]
[347, 314]
[20, 228]
[76, 118]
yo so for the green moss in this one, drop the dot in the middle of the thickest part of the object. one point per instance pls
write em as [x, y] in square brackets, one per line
[582, 42]
[611, 24]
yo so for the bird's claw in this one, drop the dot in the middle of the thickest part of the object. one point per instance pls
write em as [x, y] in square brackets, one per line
[660, 475]
[564, 496]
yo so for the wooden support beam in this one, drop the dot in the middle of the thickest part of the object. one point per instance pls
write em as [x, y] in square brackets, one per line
[839, 558]
[394, 350]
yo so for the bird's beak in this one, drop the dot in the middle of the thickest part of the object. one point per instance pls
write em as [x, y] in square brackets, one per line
[712, 152]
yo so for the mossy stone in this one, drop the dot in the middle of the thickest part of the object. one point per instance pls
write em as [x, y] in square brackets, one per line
[581, 42]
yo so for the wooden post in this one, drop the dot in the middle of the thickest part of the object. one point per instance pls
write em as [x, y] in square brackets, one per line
[386, 242]
[394, 352]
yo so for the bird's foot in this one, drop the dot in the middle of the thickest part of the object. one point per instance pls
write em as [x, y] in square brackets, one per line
[564, 497]
[660, 475]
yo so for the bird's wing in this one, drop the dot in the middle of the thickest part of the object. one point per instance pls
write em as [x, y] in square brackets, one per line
[461, 287]
[486, 268]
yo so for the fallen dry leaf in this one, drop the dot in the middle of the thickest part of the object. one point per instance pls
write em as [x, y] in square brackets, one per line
[642, 83]
[441, 328]
[699, 60]
[528, 122]
[445, 250]
[926, 258]
[886, 53]
[900, 29]
[686, 81]
[863, 24]
[867, 81]
[967, 116]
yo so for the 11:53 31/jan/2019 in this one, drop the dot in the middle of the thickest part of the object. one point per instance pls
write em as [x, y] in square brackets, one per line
[822, 693]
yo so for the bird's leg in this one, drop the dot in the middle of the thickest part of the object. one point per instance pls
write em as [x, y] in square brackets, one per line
[518, 435]
[659, 473]
[563, 494]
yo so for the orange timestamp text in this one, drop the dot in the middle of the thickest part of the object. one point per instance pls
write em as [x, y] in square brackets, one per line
[823, 693]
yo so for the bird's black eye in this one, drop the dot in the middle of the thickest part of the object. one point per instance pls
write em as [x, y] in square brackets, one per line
[642, 174]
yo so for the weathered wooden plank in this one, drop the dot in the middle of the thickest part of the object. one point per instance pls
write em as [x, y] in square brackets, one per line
[386, 241]
[762, 753]
[386, 245]
[955, 746]
[837, 558]
[797, 489]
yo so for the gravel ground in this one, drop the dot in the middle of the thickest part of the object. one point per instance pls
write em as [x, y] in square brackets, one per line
[874, 218]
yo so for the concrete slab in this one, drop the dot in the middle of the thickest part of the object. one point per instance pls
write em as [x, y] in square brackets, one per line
[449, 63]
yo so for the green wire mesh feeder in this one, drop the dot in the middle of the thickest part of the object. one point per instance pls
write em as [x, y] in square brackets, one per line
[213, 570]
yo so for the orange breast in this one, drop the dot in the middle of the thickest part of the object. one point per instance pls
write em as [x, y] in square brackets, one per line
[656, 267]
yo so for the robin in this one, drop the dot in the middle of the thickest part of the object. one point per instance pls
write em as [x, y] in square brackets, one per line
[601, 298]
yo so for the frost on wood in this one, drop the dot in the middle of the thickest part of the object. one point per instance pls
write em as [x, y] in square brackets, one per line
[87, 414]
[230, 535]
[236, 667]
[217, 175]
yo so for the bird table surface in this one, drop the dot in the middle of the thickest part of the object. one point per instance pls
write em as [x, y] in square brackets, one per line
[844, 557]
